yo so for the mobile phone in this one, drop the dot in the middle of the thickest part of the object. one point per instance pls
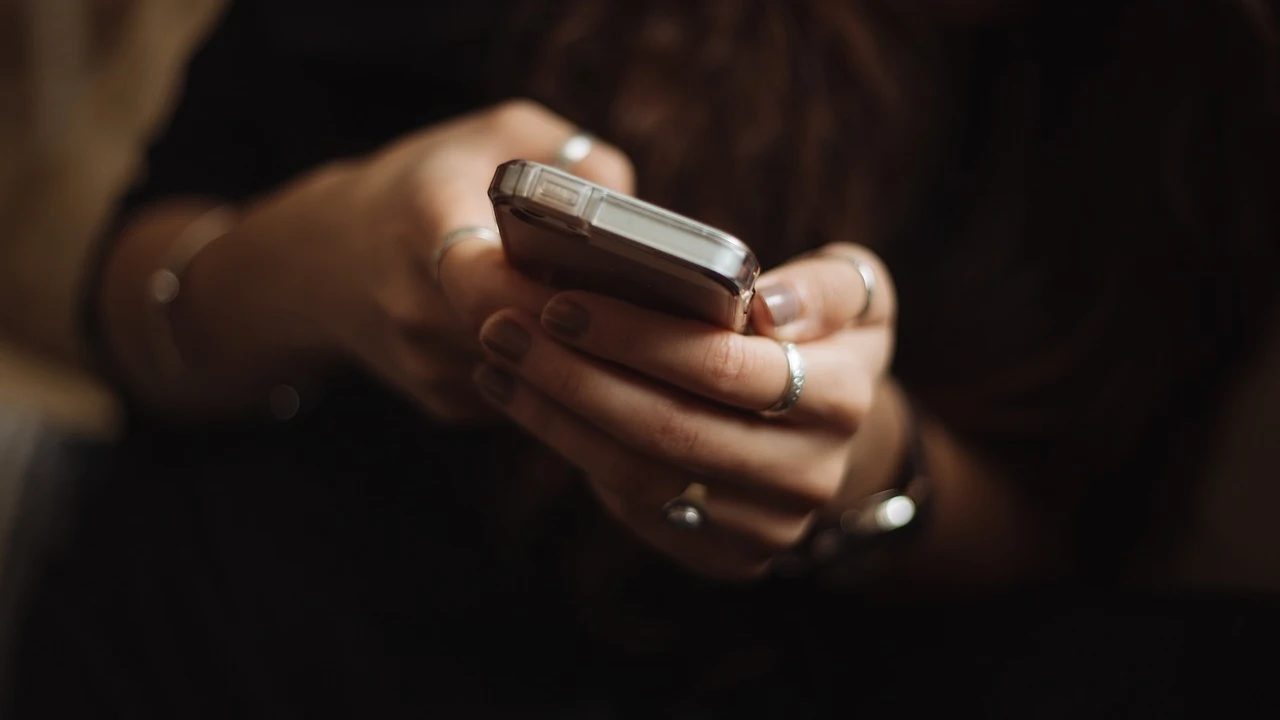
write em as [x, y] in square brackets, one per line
[575, 235]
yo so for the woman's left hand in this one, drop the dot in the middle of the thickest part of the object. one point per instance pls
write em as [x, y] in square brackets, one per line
[646, 404]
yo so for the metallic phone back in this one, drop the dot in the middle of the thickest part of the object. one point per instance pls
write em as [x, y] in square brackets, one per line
[572, 234]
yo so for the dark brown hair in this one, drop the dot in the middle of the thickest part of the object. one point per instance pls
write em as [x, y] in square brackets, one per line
[1077, 199]
[784, 123]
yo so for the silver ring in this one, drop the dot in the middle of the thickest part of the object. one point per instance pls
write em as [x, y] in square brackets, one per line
[795, 380]
[575, 150]
[456, 236]
[685, 511]
[869, 282]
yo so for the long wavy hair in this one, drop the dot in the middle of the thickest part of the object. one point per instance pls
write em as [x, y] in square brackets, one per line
[1078, 199]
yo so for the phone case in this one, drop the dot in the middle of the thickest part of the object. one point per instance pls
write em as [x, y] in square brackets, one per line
[573, 234]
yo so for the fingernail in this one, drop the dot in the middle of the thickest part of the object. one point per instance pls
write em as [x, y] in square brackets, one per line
[565, 318]
[782, 303]
[507, 339]
[498, 385]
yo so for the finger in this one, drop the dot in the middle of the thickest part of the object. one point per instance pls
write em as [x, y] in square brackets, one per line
[747, 372]
[742, 533]
[523, 129]
[454, 194]
[666, 424]
[477, 281]
[816, 295]
[453, 190]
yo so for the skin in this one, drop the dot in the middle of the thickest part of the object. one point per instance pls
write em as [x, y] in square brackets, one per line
[337, 268]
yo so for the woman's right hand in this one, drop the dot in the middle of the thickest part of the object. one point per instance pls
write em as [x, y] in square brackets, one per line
[341, 262]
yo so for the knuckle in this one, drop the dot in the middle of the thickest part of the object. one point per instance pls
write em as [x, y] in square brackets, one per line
[612, 168]
[515, 114]
[422, 200]
[830, 295]
[818, 484]
[727, 362]
[859, 395]
[400, 311]
[845, 419]
[846, 248]
[673, 436]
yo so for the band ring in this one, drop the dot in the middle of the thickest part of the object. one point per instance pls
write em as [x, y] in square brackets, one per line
[685, 511]
[574, 150]
[453, 237]
[869, 281]
[795, 380]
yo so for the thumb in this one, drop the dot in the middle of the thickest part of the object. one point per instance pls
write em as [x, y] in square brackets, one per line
[839, 286]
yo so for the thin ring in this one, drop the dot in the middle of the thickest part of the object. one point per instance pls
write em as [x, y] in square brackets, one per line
[869, 282]
[453, 237]
[795, 380]
[685, 511]
[574, 150]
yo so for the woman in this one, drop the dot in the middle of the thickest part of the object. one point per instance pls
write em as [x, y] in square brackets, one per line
[1017, 198]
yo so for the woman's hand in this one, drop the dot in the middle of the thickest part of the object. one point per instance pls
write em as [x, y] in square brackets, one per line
[417, 330]
[340, 265]
[647, 404]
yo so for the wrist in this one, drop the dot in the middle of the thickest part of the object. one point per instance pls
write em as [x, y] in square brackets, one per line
[242, 319]
[886, 495]
[877, 451]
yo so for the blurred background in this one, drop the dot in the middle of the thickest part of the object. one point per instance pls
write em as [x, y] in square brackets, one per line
[83, 85]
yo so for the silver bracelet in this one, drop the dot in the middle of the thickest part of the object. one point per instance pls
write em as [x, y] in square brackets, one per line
[165, 286]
